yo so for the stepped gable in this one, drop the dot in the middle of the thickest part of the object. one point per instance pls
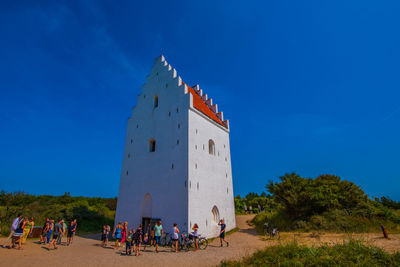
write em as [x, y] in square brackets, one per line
[200, 101]
[201, 106]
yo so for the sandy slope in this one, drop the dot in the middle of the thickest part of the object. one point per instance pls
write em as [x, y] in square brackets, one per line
[87, 252]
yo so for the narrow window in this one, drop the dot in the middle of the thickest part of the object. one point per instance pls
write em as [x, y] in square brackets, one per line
[152, 145]
[197, 186]
[197, 131]
[126, 172]
[166, 85]
[203, 147]
[177, 110]
[155, 101]
[185, 184]
[172, 166]
[169, 114]
[131, 141]
[195, 165]
[177, 142]
[211, 147]
[137, 125]
[179, 126]
[195, 147]
[129, 155]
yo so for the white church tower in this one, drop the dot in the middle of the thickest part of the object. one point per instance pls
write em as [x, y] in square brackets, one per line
[177, 162]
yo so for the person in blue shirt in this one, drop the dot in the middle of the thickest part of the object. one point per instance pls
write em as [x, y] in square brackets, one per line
[222, 233]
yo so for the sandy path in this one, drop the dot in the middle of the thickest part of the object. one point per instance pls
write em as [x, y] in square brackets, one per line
[87, 252]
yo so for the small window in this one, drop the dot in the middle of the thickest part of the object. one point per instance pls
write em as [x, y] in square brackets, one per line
[197, 185]
[169, 114]
[157, 73]
[179, 126]
[197, 131]
[218, 153]
[166, 85]
[144, 96]
[190, 184]
[226, 175]
[226, 159]
[129, 155]
[177, 110]
[155, 101]
[224, 145]
[131, 141]
[152, 145]
[211, 147]
[177, 142]
[195, 165]
[204, 147]
[195, 147]
[137, 125]
[172, 166]
[126, 172]
[185, 184]
[227, 190]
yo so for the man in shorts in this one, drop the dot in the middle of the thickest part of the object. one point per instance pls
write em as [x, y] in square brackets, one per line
[222, 233]
[70, 232]
[57, 231]
[158, 233]
[46, 228]
[14, 226]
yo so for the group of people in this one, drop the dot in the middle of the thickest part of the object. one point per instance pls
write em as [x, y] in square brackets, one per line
[53, 231]
[51, 234]
[134, 238]
[21, 228]
[250, 209]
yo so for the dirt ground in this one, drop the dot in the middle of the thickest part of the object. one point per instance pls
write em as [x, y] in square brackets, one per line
[86, 251]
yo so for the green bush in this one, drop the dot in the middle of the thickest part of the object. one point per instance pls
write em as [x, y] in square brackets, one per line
[91, 213]
[350, 253]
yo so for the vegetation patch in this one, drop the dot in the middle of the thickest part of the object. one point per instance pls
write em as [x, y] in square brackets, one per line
[325, 203]
[350, 253]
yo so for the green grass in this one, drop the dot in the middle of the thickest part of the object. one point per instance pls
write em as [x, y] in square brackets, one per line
[350, 253]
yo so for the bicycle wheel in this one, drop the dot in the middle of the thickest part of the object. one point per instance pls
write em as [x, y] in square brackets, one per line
[203, 243]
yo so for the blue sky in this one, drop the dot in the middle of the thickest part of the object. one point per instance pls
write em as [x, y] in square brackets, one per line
[308, 86]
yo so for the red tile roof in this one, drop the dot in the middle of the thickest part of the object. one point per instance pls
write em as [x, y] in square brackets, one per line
[201, 106]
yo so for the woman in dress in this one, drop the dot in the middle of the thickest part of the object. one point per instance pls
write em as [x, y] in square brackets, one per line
[28, 229]
[124, 231]
[19, 232]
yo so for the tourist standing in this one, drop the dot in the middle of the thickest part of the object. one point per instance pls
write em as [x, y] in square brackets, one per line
[245, 209]
[50, 231]
[74, 230]
[70, 232]
[59, 239]
[175, 238]
[158, 233]
[45, 229]
[124, 232]
[14, 226]
[104, 236]
[19, 232]
[28, 229]
[196, 236]
[138, 239]
[117, 234]
[57, 231]
[222, 232]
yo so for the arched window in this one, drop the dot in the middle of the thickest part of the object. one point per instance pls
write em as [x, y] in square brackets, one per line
[152, 145]
[211, 147]
[155, 101]
[215, 214]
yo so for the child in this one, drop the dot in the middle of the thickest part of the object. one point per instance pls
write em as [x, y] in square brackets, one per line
[128, 243]
[104, 236]
[145, 240]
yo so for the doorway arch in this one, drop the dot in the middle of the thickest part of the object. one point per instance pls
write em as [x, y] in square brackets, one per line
[215, 214]
[147, 206]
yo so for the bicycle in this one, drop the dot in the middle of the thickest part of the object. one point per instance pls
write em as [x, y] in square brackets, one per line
[188, 242]
[166, 240]
[271, 232]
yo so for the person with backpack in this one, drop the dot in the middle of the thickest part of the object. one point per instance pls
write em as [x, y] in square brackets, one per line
[57, 231]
